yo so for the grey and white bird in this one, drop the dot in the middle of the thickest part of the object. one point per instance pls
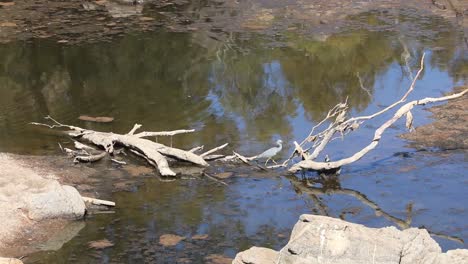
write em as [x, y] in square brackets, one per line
[271, 152]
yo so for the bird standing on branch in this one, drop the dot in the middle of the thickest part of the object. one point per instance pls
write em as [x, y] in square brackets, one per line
[270, 153]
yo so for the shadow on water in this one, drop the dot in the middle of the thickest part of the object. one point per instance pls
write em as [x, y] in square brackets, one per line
[248, 90]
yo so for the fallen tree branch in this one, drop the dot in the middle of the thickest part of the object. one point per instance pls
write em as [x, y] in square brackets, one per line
[90, 158]
[313, 165]
[153, 152]
[164, 133]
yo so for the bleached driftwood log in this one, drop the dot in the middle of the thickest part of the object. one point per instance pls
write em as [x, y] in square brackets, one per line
[154, 153]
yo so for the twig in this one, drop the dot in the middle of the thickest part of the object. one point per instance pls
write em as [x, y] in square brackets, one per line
[121, 162]
[90, 158]
[214, 150]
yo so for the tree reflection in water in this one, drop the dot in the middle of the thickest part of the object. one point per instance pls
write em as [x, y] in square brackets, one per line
[329, 184]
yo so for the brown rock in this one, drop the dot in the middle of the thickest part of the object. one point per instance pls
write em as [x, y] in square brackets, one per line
[100, 244]
[146, 19]
[217, 259]
[100, 119]
[224, 175]
[200, 237]
[169, 240]
[135, 170]
[7, 24]
[7, 3]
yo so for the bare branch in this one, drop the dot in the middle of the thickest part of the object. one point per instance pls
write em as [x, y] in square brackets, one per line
[313, 165]
[214, 150]
[90, 158]
[195, 149]
[163, 133]
[135, 128]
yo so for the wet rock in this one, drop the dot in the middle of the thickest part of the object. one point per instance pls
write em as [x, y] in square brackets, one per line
[169, 240]
[224, 175]
[100, 244]
[60, 238]
[217, 259]
[321, 239]
[135, 170]
[54, 201]
[256, 255]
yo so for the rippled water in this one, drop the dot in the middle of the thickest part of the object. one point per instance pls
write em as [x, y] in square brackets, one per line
[248, 90]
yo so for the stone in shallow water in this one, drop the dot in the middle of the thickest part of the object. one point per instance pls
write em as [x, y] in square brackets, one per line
[100, 244]
[200, 237]
[169, 240]
[217, 259]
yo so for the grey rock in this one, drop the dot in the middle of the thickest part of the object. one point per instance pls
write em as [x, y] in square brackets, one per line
[320, 239]
[27, 198]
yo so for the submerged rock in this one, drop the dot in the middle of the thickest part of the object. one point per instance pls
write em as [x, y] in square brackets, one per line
[321, 239]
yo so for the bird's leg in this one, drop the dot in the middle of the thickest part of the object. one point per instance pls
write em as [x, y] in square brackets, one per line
[274, 161]
[267, 161]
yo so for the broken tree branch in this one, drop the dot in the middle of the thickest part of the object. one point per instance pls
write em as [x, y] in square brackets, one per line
[214, 150]
[90, 158]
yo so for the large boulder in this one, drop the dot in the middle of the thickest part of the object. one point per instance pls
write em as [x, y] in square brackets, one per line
[27, 197]
[321, 239]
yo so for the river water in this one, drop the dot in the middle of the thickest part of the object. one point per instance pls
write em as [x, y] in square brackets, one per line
[249, 90]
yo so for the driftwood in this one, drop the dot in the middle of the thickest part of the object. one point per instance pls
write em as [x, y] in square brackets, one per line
[404, 110]
[155, 153]
[314, 144]
[97, 201]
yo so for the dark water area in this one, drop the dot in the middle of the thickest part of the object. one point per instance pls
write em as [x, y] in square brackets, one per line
[249, 90]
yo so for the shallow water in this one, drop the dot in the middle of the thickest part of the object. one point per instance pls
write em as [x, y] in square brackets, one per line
[248, 90]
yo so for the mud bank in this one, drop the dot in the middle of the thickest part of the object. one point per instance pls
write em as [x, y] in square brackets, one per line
[71, 22]
[449, 131]
[321, 239]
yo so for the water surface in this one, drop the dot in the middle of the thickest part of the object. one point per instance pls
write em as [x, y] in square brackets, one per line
[249, 90]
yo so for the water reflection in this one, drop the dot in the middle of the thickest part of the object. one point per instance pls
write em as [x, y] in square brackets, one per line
[227, 87]
[330, 185]
[245, 90]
